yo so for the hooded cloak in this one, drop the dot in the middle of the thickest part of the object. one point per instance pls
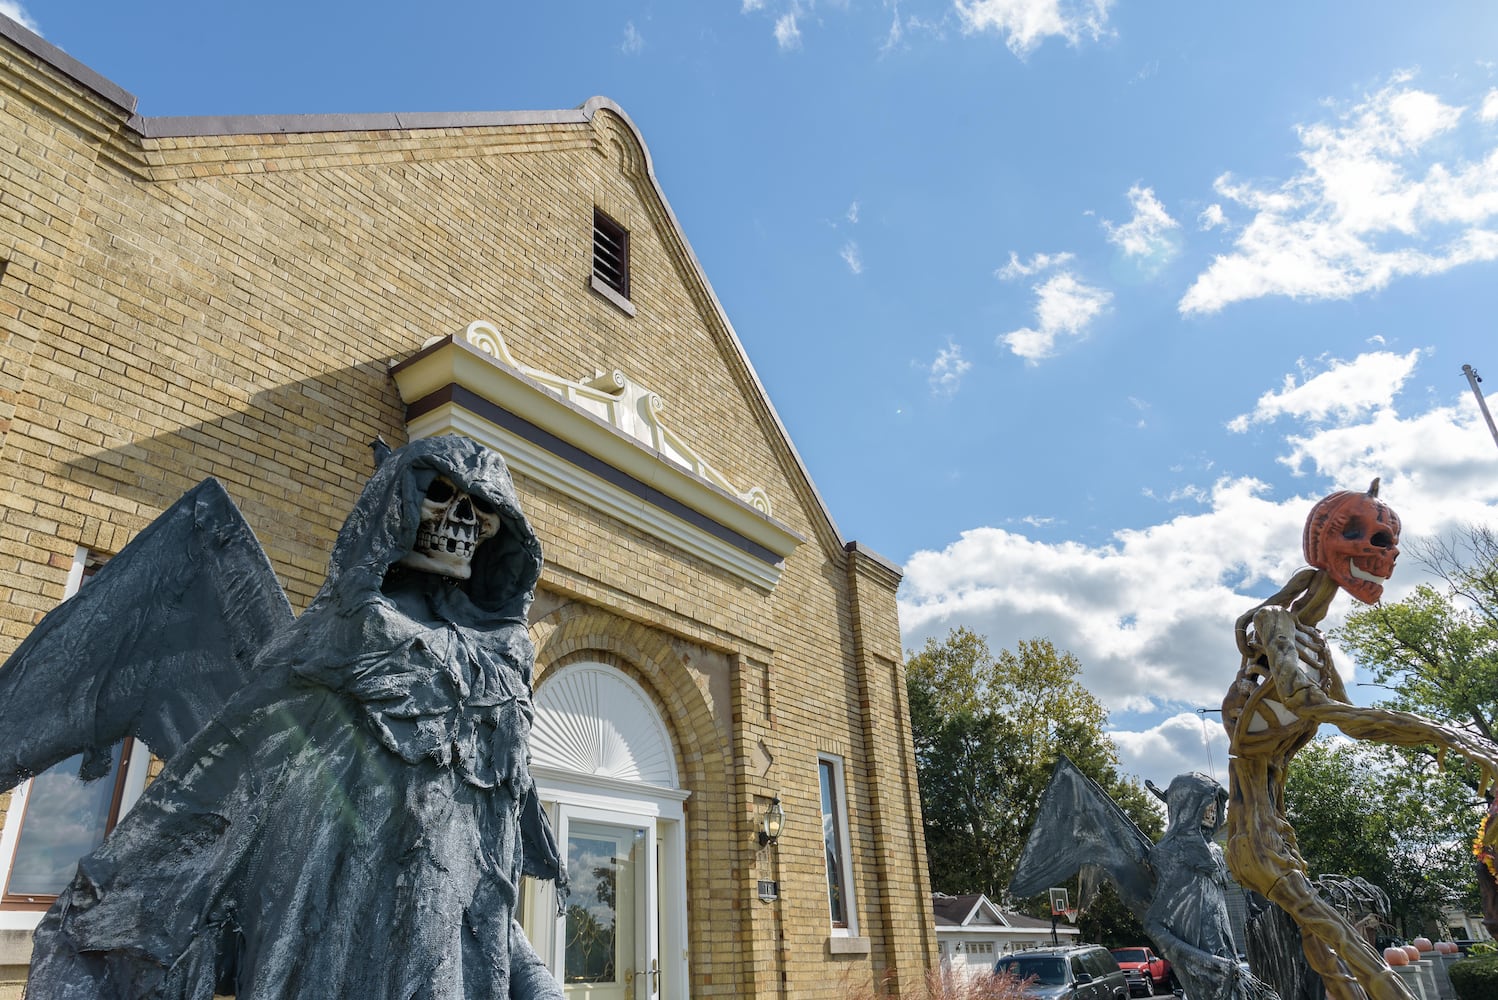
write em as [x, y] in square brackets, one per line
[356, 820]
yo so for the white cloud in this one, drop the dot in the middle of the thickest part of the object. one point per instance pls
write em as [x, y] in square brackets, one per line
[1027, 23]
[1371, 204]
[787, 35]
[944, 375]
[1346, 391]
[1148, 236]
[1150, 612]
[633, 41]
[852, 214]
[1185, 742]
[895, 36]
[852, 257]
[912, 25]
[1065, 307]
[1024, 269]
[750, 6]
[1211, 217]
[18, 14]
[1489, 109]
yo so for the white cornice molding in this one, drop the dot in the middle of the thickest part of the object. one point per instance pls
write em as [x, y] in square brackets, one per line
[470, 384]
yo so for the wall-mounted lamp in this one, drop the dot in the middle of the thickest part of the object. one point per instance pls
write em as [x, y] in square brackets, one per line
[771, 823]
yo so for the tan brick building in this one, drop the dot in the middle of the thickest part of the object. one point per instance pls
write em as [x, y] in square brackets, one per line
[257, 299]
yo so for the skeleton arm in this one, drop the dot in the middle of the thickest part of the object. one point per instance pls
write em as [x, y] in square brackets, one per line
[1293, 665]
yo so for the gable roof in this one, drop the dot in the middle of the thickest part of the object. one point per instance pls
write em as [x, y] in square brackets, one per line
[966, 909]
[204, 126]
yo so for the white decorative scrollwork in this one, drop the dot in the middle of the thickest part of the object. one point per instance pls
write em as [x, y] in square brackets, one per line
[612, 396]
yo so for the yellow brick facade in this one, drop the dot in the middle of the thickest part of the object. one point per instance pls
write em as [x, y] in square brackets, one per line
[180, 300]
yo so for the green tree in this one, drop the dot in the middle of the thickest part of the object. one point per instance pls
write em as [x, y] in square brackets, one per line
[1436, 653]
[1358, 809]
[987, 731]
[1437, 650]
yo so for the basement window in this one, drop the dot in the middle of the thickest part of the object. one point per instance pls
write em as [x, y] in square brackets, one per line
[611, 261]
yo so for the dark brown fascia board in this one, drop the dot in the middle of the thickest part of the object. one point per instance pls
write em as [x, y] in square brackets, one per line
[65, 64]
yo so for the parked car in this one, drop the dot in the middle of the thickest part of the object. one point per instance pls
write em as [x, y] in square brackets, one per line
[1150, 974]
[1082, 972]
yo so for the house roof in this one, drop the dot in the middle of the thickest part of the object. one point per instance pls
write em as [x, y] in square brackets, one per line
[965, 912]
[180, 127]
[955, 911]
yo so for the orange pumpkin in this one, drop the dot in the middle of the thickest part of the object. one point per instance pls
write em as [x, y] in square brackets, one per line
[1396, 956]
[1354, 538]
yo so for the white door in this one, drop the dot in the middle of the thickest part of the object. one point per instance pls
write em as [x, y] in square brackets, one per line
[607, 944]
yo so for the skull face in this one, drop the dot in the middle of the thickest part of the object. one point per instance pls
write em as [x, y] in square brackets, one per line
[1354, 537]
[453, 524]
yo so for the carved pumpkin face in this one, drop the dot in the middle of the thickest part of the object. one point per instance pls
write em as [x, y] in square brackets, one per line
[1354, 537]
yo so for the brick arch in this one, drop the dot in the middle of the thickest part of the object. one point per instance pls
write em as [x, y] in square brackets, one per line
[576, 633]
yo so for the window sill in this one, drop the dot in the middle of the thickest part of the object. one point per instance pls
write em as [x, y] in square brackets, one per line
[615, 299]
[15, 946]
[838, 945]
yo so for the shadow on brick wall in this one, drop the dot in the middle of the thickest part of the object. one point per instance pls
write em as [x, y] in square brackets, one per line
[293, 458]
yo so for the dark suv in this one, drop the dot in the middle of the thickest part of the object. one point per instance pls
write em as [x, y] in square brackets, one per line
[1083, 972]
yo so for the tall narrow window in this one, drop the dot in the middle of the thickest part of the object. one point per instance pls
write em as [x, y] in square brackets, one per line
[610, 253]
[835, 844]
[55, 818]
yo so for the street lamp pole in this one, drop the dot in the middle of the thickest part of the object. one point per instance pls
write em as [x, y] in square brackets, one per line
[1482, 404]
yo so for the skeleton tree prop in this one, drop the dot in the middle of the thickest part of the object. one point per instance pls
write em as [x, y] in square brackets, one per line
[346, 808]
[1286, 688]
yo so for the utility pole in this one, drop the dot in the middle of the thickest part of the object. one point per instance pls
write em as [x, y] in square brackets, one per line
[1482, 404]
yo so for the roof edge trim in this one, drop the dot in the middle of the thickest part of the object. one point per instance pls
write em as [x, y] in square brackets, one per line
[189, 126]
[66, 64]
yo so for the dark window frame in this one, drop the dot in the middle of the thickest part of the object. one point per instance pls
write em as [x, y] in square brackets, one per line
[610, 252]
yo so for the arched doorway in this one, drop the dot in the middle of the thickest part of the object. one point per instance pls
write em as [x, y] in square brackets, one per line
[605, 769]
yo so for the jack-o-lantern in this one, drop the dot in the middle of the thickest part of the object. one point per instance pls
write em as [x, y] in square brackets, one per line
[1354, 537]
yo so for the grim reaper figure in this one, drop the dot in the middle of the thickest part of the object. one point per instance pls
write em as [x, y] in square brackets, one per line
[1177, 887]
[346, 808]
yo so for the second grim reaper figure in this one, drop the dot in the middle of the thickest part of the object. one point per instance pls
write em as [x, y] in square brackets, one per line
[346, 808]
[1176, 888]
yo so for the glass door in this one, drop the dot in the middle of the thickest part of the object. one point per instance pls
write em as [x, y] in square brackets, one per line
[607, 938]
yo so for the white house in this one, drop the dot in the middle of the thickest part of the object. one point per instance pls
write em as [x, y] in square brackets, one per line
[972, 932]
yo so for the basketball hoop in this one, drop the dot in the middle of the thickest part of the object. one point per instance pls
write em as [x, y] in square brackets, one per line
[1070, 915]
[1059, 902]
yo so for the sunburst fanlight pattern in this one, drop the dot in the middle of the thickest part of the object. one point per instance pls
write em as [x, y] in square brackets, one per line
[592, 720]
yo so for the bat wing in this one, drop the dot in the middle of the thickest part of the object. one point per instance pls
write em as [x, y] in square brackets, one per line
[153, 646]
[1079, 825]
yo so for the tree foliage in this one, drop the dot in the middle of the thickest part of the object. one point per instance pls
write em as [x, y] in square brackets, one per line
[987, 732]
[1437, 650]
[1436, 653]
[1359, 809]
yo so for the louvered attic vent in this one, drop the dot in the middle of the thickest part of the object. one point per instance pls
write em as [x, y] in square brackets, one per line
[610, 253]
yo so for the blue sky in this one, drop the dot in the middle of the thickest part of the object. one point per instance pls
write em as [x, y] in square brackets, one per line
[1071, 308]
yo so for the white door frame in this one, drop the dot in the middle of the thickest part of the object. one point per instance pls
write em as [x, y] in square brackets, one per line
[601, 750]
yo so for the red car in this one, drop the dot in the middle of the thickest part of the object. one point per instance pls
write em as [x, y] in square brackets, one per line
[1148, 972]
